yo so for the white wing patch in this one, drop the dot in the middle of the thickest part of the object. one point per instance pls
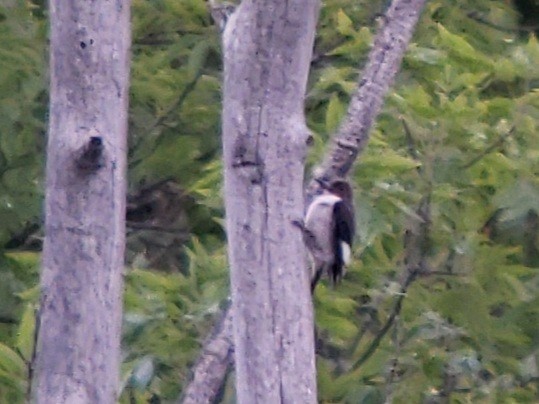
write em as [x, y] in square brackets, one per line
[321, 200]
[346, 253]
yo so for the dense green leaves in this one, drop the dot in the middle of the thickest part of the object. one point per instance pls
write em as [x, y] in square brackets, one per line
[22, 108]
[459, 129]
[166, 317]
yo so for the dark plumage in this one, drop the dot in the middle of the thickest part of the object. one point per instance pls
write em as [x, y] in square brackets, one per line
[329, 231]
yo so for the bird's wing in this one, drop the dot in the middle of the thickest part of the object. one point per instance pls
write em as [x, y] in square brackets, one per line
[343, 234]
[344, 222]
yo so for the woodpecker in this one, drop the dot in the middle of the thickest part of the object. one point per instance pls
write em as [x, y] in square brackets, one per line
[329, 228]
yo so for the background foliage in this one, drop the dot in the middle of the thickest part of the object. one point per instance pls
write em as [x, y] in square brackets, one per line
[452, 163]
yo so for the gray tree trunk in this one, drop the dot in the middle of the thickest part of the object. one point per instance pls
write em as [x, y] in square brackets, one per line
[383, 64]
[268, 47]
[78, 342]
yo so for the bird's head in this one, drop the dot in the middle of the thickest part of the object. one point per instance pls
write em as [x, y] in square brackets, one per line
[341, 188]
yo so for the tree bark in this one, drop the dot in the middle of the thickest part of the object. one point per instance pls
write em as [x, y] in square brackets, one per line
[216, 358]
[78, 344]
[379, 73]
[390, 44]
[268, 48]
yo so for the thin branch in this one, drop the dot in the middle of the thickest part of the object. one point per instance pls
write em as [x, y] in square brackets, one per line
[32, 363]
[7, 320]
[176, 104]
[213, 363]
[390, 320]
[392, 375]
[440, 273]
[164, 38]
[378, 75]
[490, 149]
[412, 150]
[163, 229]
[474, 15]
[416, 244]
[153, 42]
[405, 285]
[164, 116]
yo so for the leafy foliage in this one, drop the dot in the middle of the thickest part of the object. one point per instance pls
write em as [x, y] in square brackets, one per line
[459, 130]
[165, 318]
[22, 107]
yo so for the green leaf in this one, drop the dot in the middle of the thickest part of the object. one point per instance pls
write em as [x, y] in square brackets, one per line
[427, 56]
[341, 328]
[455, 305]
[461, 49]
[334, 113]
[13, 388]
[332, 76]
[390, 161]
[197, 57]
[355, 47]
[26, 333]
[11, 361]
[344, 24]
[365, 395]
[504, 70]
[30, 295]
[419, 100]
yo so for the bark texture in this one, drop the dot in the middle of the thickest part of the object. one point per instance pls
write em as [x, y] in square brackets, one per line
[213, 363]
[268, 48]
[390, 44]
[78, 345]
[379, 73]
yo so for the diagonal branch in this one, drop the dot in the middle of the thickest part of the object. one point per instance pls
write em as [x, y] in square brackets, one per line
[476, 16]
[490, 148]
[378, 75]
[416, 244]
[375, 343]
[161, 119]
[213, 363]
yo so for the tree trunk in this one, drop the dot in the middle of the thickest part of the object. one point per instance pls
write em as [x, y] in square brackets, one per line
[268, 48]
[78, 342]
[383, 64]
